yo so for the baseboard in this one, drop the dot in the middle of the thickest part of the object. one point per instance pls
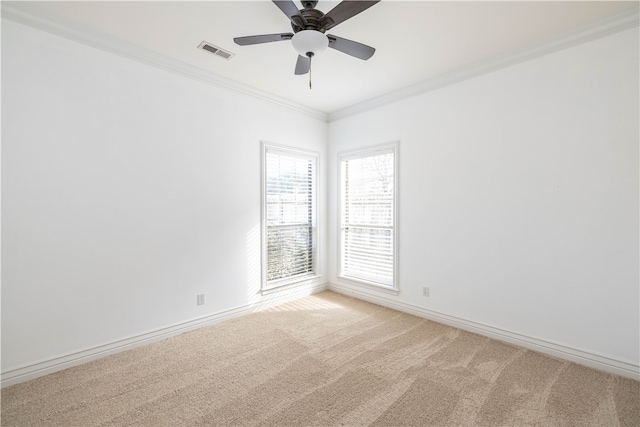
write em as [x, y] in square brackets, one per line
[596, 361]
[35, 370]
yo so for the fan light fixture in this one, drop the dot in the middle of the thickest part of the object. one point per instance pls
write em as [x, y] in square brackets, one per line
[309, 26]
[309, 42]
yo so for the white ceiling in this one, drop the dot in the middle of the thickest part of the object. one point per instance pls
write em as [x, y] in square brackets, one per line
[415, 40]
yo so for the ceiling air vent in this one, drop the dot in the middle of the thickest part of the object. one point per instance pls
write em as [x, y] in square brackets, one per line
[216, 50]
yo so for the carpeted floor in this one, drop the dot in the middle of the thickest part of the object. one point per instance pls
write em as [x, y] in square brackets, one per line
[326, 360]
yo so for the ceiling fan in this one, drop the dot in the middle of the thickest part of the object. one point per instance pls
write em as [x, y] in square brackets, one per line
[309, 27]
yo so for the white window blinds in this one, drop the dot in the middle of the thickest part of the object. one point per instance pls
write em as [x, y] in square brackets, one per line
[368, 216]
[290, 205]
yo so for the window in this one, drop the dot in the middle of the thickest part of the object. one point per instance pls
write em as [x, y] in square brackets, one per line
[368, 233]
[289, 216]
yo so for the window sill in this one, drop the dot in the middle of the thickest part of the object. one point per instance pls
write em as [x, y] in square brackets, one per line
[285, 285]
[369, 285]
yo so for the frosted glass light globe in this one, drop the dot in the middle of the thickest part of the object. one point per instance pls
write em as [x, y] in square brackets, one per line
[306, 41]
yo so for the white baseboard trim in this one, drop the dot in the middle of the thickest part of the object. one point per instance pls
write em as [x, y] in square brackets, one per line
[35, 370]
[592, 360]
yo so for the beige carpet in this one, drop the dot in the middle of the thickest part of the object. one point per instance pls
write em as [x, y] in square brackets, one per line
[326, 360]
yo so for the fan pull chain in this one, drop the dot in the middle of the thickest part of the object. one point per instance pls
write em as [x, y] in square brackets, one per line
[310, 56]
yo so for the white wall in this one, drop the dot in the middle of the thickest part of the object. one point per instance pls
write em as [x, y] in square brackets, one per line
[519, 197]
[126, 191]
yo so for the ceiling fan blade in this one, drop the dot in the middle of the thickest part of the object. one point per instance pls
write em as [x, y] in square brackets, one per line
[302, 65]
[291, 10]
[343, 11]
[350, 47]
[265, 38]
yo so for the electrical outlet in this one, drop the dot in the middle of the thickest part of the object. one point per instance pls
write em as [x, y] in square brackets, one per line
[425, 291]
[200, 299]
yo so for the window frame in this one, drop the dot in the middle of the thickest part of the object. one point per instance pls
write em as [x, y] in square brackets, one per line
[268, 286]
[359, 153]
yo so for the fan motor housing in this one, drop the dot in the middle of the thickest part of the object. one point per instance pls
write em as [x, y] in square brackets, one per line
[312, 16]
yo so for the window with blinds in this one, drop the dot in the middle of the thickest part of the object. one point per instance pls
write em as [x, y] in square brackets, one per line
[289, 216]
[368, 216]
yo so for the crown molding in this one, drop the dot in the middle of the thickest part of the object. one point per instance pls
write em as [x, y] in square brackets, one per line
[602, 28]
[30, 15]
[26, 14]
